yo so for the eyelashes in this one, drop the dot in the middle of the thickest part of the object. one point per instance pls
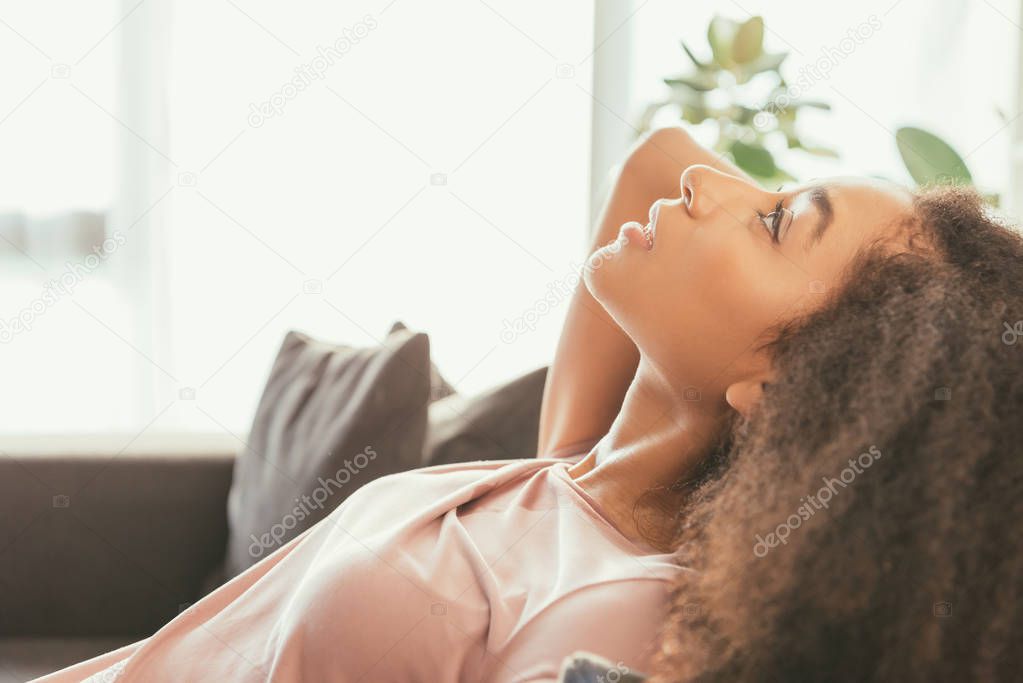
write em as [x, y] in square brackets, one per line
[779, 219]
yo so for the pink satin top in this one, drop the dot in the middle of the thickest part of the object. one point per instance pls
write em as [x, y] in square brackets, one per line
[481, 571]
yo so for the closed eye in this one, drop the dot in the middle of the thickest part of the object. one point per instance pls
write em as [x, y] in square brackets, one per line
[775, 221]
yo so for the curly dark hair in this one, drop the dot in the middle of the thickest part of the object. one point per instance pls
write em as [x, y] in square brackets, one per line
[865, 523]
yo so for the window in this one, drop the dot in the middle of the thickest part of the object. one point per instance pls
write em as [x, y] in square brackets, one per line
[261, 168]
[184, 181]
[58, 183]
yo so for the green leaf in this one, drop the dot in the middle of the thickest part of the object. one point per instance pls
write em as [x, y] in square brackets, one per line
[748, 43]
[787, 124]
[694, 114]
[721, 34]
[816, 104]
[697, 82]
[754, 159]
[781, 105]
[929, 159]
[744, 115]
[697, 62]
[766, 62]
[825, 152]
[682, 96]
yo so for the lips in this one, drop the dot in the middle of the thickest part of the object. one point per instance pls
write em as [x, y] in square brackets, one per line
[650, 230]
[647, 232]
[636, 233]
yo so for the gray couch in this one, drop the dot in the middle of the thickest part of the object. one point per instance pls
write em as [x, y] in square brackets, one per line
[104, 540]
[100, 548]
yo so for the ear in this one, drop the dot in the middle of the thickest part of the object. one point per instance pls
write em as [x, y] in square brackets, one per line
[743, 396]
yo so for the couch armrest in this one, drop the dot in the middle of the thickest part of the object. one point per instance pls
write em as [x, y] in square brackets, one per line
[103, 543]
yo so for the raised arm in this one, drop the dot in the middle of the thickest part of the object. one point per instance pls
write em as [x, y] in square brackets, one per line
[595, 361]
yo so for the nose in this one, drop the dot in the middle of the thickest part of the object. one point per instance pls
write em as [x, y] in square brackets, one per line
[705, 189]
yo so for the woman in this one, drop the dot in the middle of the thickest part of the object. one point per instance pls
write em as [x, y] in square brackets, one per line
[498, 571]
[864, 524]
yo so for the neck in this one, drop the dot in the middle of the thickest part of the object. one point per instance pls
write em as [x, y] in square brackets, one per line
[658, 439]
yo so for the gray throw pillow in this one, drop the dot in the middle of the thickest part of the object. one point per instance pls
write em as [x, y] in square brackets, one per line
[439, 387]
[499, 424]
[331, 419]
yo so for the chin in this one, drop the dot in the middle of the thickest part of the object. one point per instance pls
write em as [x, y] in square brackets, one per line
[600, 273]
[610, 286]
[607, 261]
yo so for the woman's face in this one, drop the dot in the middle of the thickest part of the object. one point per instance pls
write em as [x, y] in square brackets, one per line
[728, 261]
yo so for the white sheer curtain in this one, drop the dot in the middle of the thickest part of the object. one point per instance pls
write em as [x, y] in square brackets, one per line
[360, 163]
[59, 134]
[321, 166]
[437, 165]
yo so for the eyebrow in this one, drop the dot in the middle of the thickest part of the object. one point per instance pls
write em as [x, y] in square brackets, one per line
[821, 200]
